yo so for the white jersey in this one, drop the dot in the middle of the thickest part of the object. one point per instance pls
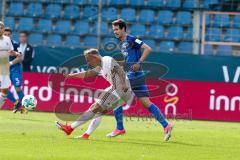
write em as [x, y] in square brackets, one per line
[5, 46]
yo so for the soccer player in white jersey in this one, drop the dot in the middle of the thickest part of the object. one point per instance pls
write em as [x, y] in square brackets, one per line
[6, 49]
[117, 94]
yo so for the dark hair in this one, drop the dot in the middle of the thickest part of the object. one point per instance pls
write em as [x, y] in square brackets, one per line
[8, 29]
[121, 23]
[24, 32]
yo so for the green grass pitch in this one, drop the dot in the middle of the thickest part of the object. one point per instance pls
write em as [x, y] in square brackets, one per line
[35, 137]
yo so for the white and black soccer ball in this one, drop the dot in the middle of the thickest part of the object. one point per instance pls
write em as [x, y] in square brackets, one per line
[29, 102]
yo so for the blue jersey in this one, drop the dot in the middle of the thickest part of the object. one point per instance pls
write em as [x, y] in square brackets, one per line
[17, 66]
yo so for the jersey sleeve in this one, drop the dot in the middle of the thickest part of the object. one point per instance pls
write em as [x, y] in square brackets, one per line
[137, 42]
[10, 45]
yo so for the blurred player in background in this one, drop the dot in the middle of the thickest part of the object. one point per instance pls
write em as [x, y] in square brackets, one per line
[6, 50]
[131, 49]
[118, 93]
[15, 73]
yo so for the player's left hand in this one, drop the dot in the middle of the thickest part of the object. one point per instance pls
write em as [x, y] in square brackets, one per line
[13, 53]
[136, 67]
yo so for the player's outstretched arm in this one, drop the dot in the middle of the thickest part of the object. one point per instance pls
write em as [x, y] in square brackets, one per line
[13, 53]
[84, 74]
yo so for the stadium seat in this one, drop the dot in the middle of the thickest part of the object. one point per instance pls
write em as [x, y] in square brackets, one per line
[53, 11]
[185, 47]
[189, 34]
[151, 43]
[118, 2]
[213, 34]
[167, 47]
[165, 17]
[63, 26]
[191, 4]
[44, 25]
[208, 4]
[136, 2]
[156, 31]
[90, 41]
[23, 22]
[173, 3]
[236, 21]
[138, 30]
[128, 14]
[156, 3]
[54, 40]
[175, 33]
[36, 39]
[146, 16]
[221, 21]
[81, 27]
[232, 35]
[80, 2]
[9, 22]
[208, 50]
[71, 12]
[103, 2]
[15, 36]
[224, 50]
[184, 18]
[72, 41]
[104, 28]
[90, 13]
[63, 1]
[16, 9]
[109, 44]
[34, 10]
[109, 14]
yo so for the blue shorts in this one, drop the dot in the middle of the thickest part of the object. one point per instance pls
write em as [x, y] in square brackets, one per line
[16, 77]
[138, 85]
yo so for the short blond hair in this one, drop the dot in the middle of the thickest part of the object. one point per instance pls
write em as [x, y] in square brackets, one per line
[2, 24]
[92, 51]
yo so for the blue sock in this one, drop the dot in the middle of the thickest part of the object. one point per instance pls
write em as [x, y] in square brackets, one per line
[118, 113]
[158, 115]
[20, 95]
[11, 97]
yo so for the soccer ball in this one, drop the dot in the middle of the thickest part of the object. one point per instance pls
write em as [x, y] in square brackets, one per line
[29, 102]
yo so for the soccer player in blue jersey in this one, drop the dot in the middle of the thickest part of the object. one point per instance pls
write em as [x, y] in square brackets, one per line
[15, 73]
[135, 52]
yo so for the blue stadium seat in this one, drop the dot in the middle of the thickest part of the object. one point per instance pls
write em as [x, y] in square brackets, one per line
[23, 22]
[15, 36]
[128, 14]
[213, 34]
[167, 47]
[104, 2]
[207, 4]
[44, 25]
[53, 11]
[146, 16]
[90, 41]
[189, 34]
[71, 12]
[236, 21]
[72, 41]
[165, 17]
[208, 50]
[136, 2]
[118, 2]
[80, 2]
[175, 33]
[63, 26]
[184, 18]
[54, 40]
[221, 21]
[185, 47]
[151, 43]
[104, 28]
[34, 10]
[191, 4]
[173, 3]
[156, 3]
[81, 27]
[90, 12]
[9, 22]
[109, 44]
[62, 1]
[36, 39]
[156, 31]
[109, 14]
[232, 35]
[224, 50]
[138, 30]
[16, 9]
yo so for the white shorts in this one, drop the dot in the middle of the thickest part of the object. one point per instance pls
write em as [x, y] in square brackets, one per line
[5, 81]
[111, 98]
